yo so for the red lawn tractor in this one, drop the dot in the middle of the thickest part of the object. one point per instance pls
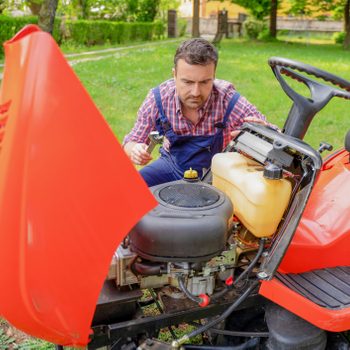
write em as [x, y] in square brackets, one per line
[269, 272]
[255, 255]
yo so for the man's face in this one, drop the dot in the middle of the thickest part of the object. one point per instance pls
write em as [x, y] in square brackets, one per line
[194, 83]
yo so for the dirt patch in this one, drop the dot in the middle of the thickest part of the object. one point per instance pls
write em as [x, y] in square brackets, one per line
[10, 336]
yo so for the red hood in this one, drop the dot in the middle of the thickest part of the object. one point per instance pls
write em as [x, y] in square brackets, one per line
[68, 193]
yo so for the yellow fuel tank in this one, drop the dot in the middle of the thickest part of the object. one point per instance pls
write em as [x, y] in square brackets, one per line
[258, 202]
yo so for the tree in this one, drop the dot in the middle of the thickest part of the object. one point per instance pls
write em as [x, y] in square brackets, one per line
[2, 6]
[347, 24]
[147, 10]
[34, 6]
[166, 5]
[260, 9]
[195, 19]
[273, 18]
[47, 15]
[325, 6]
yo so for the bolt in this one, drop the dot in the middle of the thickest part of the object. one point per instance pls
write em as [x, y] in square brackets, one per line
[262, 275]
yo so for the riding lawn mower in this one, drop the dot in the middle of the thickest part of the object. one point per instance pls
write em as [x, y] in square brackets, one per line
[254, 255]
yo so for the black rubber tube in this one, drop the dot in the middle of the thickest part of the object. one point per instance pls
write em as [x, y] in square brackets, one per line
[250, 267]
[253, 262]
[237, 302]
[250, 344]
[240, 333]
[145, 269]
[186, 291]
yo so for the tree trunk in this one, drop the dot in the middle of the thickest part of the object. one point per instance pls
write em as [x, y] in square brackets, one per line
[34, 7]
[273, 18]
[195, 19]
[84, 7]
[347, 25]
[47, 14]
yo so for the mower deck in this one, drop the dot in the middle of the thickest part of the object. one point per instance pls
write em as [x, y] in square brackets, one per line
[322, 297]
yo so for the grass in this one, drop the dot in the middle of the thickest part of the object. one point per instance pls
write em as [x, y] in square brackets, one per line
[119, 84]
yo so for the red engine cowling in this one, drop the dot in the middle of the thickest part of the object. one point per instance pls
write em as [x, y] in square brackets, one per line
[322, 238]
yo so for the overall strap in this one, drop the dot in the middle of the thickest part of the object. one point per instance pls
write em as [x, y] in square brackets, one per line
[230, 106]
[162, 122]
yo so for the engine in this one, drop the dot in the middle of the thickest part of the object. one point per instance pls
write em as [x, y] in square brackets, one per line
[191, 233]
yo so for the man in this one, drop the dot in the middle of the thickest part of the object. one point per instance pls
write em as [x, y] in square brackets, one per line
[197, 114]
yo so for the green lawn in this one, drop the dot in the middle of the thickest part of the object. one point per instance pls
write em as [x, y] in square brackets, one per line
[119, 84]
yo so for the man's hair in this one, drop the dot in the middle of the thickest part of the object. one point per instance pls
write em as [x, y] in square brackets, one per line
[196, 51]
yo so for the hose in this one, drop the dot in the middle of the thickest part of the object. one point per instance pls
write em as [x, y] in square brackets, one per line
[147, 269]
[240, 333]
[189, 295]
[250, 267]
[250, 344]
[177, 343]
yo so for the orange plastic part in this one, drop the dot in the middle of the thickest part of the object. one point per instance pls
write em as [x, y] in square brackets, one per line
[68, 194]
[330, 320]
[322, 238]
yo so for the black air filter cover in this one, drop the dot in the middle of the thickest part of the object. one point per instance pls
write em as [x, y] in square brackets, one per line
[189, 224]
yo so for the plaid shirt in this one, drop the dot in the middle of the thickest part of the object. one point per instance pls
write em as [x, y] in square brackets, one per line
[210, 113]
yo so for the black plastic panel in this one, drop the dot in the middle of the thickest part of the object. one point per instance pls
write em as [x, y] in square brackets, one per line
[329, 288]
[190, 224]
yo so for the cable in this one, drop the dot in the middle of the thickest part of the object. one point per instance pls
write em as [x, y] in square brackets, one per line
[177, 343]
[186, 291]
[250, 344]
[240, 333]
[244, 273]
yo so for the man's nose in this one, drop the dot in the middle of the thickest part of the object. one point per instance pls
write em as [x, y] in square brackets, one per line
[196, 90]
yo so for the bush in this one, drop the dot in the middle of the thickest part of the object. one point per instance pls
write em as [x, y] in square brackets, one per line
[159, 28]
[84, 32]
[9, 26]
[339, 38]
[87, 33]
[253, 28]
[265, 36]
[181, 26]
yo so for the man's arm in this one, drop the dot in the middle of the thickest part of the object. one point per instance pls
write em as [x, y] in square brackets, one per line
[135, 143]
[246, 112]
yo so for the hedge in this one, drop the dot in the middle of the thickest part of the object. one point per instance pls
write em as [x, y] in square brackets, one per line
[88, 33]
[84, 32]
[10, 26]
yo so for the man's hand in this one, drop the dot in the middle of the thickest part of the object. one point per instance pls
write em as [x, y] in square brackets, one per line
[255, 120]
[139, 154]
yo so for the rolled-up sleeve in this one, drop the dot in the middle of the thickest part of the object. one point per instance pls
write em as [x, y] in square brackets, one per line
[145, 121]
[244, 109]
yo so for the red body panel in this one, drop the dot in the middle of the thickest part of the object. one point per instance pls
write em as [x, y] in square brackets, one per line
[67, 194]
[322, 238]
[330, 320]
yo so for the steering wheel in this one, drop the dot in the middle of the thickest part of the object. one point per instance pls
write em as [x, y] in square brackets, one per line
[304, 108]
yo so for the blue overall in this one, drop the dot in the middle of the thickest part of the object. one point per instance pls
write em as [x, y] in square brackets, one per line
[186, 151]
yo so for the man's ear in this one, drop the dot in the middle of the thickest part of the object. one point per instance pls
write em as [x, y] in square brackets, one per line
[174, 72]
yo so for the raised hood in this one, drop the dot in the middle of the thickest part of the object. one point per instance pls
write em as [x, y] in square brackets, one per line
[68, 193]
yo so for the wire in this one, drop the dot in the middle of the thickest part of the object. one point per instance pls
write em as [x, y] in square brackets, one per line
[240, 333]
[186, 291]
[244, 273]
[211, 324]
